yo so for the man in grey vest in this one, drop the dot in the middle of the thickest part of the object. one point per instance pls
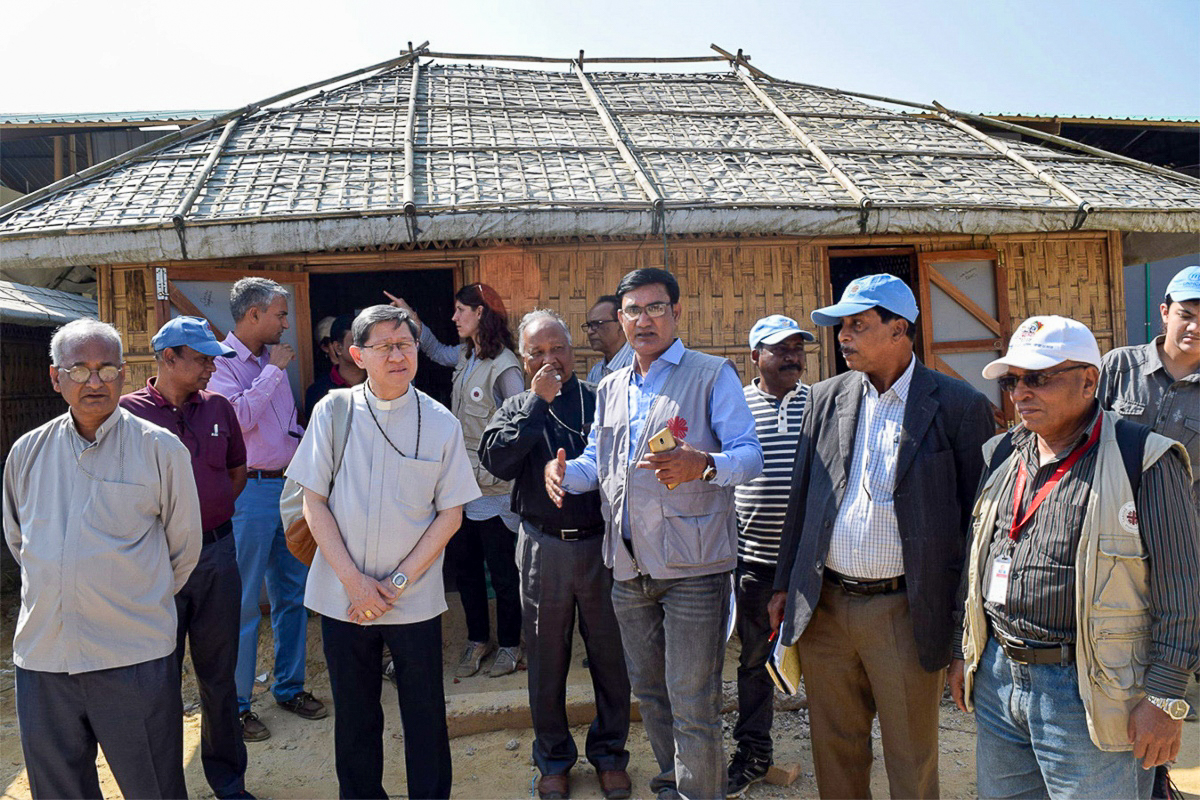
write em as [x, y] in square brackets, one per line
[671, 533]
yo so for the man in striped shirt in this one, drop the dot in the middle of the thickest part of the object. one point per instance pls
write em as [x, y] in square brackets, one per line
[777, 398]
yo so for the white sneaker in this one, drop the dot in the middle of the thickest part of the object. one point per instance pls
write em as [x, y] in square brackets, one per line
[506, 661]
[472, 658]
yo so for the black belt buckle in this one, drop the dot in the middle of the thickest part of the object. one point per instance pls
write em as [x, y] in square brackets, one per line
[865, 588]
[1061, 654]
[572, 534]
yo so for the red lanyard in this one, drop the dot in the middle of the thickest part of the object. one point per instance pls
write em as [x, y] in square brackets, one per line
[1014, 532]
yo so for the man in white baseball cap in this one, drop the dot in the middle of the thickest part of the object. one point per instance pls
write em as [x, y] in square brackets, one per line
[1082, 587]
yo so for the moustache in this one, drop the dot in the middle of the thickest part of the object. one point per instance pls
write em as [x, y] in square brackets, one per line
[791, 368]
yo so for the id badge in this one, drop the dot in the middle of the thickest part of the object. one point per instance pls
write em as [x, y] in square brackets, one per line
[998, 586]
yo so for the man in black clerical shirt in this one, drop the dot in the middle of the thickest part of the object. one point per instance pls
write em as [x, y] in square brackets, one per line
[530, 429]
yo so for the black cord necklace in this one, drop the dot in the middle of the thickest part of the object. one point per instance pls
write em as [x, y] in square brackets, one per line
[417, 400]
[582, 415]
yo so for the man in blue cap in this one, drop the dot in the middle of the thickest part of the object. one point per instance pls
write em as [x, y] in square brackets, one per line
[877, 526]
[209, 604]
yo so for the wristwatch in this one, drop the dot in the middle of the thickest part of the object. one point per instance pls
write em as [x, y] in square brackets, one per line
[400, 580]
[710, 472]
[1173, 708]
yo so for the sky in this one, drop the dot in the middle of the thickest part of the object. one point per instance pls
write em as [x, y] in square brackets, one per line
[1067, 57]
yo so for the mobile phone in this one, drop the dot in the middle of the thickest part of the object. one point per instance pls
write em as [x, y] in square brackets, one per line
[661, 442]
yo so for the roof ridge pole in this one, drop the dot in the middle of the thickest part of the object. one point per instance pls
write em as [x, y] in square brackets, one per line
[610, 125]
[186, 205]
[1074, 145]
[410, 134]
[860, 197]
[1082, 207]
[191, 132]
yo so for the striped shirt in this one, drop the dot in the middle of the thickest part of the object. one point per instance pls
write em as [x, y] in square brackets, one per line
[762, 503]
[865, 542]
[1040, 603]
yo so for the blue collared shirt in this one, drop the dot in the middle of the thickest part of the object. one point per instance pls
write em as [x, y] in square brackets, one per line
[740, 459]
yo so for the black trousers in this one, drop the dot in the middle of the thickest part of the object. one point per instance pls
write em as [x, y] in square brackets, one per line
[756, 690]
[352, 653]
[492, 542]
[558, 578]
[209, 606]
[134, 713]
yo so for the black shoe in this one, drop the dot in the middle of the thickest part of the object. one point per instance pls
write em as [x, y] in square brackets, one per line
[305, 705]
[745, 770]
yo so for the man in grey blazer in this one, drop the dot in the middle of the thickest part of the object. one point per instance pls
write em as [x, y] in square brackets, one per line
[874, 542]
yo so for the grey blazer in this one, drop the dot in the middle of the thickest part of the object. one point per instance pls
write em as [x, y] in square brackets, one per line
[946, 422]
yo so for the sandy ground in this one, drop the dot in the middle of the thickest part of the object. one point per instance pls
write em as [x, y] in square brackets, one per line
[490, 761]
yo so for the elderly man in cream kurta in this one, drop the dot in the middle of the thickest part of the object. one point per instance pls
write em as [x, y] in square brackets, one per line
[381, 529]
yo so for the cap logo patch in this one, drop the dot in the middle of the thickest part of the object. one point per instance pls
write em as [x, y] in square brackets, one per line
[1027, 331]
[853, 288]
[1128, 517]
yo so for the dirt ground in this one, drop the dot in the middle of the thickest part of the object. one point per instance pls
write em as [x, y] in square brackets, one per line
[491, 739]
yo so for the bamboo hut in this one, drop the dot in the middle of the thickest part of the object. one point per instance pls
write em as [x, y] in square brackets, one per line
[550, 178]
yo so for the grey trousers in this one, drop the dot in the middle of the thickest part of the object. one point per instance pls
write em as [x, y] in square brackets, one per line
[135, 713]
[557, 579]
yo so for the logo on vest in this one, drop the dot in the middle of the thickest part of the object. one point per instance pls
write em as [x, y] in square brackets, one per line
[1128, 517]
[678, 427]
[476, 393]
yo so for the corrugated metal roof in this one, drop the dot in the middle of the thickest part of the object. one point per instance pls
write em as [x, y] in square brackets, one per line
[107, 117]
[35, 306]
[500, 152]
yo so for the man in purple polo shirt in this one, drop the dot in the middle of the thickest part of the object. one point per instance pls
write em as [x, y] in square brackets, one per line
[256, 384]
[208, 604]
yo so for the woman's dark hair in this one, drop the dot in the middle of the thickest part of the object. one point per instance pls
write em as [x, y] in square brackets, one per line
[493, 334]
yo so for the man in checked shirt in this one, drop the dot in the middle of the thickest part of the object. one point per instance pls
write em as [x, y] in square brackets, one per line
[1083, 601]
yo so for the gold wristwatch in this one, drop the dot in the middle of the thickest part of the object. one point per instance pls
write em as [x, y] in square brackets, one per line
[710, 472]
[1175, 709]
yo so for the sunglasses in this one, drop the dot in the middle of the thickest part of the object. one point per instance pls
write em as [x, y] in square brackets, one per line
[589, 327]
[1033, 380]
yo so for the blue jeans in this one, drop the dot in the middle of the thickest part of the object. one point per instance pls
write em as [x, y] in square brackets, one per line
[262, 551]
[676, 628]
[1033, 737]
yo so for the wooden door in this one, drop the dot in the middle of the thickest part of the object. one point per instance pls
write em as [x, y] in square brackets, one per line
[964, 317]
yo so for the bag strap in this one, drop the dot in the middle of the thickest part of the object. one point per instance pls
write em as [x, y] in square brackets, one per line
[342, 403]
[1131, 439]
[1003, 450]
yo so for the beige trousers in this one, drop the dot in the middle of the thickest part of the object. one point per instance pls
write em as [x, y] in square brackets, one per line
[859, 658]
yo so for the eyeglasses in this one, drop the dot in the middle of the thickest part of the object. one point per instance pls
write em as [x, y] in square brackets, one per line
[82, 374]
[595, 325]
[654, 310]
[1033, 380]
[385, 348]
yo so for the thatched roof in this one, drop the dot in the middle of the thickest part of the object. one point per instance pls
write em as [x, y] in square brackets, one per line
[441, 151]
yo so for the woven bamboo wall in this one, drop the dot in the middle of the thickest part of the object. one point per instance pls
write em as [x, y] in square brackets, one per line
[725, 284]
[28, 398]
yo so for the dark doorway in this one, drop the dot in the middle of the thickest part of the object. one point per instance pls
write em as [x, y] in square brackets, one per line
[847, 264]
[429, 291]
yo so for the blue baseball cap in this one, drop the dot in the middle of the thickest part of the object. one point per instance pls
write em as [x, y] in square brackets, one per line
[885, 291]
[1185, 285]
[774, 329]
[193, 332]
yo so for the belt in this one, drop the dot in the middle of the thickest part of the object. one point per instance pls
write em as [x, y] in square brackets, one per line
[218, 533]
[264, 474]
[571, 534]
[1061, 654]
[857, 586]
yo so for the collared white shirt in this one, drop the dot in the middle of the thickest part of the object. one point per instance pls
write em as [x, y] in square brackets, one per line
[621, 358]
[865, 542]
[106, 533]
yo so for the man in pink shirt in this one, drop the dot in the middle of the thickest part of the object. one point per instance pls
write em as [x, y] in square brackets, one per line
[255, 383]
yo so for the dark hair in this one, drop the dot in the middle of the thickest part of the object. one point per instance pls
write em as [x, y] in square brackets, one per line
[341, 324]
[493, 335]
[371, 316]
[647, 277]
[910, 330]
[608, 298]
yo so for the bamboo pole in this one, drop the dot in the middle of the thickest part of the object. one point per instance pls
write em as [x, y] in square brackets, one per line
[744, 60]
[1084, 207]
[192, 132]
[643, 180]
[58, 159]
[410, 135]
[186, 204]
[843, 180]
[554, 60]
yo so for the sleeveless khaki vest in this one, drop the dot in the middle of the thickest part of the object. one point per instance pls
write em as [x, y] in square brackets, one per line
[472, 402]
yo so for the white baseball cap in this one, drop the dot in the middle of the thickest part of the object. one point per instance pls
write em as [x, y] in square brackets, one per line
[1044, 342]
